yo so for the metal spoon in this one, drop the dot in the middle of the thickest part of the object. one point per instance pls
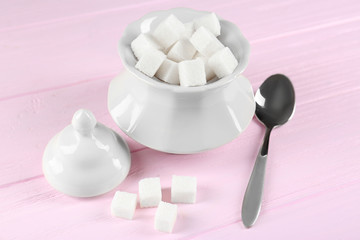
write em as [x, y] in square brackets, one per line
[275, 105]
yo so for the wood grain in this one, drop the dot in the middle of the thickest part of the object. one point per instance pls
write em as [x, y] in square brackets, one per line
[58, 57]
[34, 116]
[91, 40]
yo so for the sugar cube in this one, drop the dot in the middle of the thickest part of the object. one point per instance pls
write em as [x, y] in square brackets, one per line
[223, 62]
[209, 21]
[183, 189]
[165, 217]
[189, 30]
[169, 72]
[142, 43]
[149, 192]
[208, 70]
[168, 31]
[205, 42]
[182, 50]
[123, 205]
[192, 73]
[150, 62]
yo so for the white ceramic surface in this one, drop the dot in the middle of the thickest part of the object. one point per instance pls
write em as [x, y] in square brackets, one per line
[177, 119]
[86, 158]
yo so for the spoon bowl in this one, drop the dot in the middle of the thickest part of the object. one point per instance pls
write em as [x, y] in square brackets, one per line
[275, 101]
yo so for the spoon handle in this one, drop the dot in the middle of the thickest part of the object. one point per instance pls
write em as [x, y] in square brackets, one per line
[253, 195]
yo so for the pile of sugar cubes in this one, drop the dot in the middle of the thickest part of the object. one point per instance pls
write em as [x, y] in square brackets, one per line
[183, 190]
[188, 54]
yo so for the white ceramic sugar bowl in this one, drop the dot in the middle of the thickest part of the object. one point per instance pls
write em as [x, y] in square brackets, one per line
[86, 158]
[177, 119]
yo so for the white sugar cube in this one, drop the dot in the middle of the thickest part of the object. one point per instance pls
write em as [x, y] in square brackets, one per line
[150, 62]
[192, 73]
[165, 217]
[205, 42]
[209, 21]
[223, 62]
[168, 31]
[143, 43]
[183, 189]
[169, 72]
[149, 192]
[210, 74]
[123, 205]
[189, 30]
[182, 50]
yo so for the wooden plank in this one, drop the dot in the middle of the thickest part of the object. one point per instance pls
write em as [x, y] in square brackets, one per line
[34, 119]
[22, 14]
[54, 62]
[19, 14]
[328, 215]
[83, 48]
[296, 172]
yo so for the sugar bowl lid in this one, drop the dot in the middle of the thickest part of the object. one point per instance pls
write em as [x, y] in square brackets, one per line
[86, 158]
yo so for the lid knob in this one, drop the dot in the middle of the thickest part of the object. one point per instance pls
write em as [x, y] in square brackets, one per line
[84, 121]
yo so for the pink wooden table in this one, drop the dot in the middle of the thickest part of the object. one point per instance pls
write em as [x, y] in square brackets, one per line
[58, 56]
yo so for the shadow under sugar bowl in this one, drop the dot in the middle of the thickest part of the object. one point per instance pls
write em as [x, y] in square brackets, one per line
[176, 119]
